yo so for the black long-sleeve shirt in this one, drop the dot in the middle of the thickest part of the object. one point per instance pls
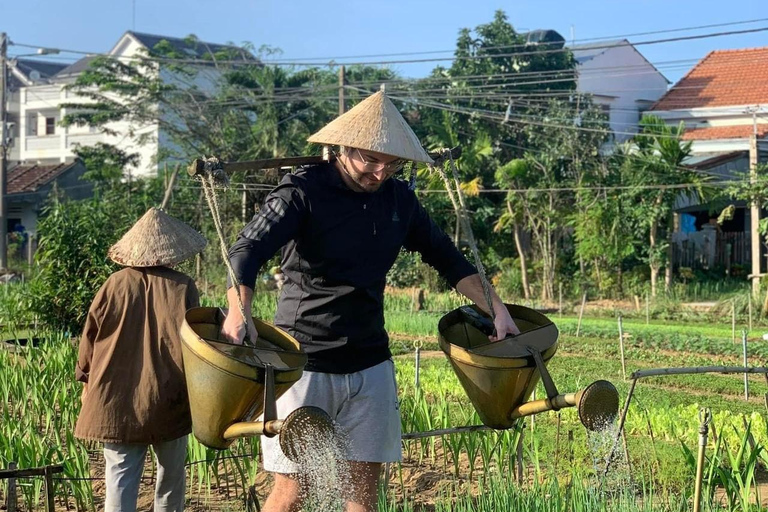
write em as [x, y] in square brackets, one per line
[338, 246]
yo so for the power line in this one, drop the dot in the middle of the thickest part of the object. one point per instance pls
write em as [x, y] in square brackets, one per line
[543, 43]
[413, 61]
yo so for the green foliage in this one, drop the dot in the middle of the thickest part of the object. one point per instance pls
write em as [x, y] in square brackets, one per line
[71, 257]
[409, 271]
[105, 163]
[74, 238]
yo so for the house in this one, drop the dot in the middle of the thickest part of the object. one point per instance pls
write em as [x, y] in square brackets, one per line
[30, 184]
[41, 139]
[617, 76]
[24, 73]
[723, 102]
[621, 80]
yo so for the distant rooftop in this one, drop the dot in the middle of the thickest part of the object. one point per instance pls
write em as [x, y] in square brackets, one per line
[26, 178]
[721, 79]
[586, 52]
[33, 71]
[192, 47]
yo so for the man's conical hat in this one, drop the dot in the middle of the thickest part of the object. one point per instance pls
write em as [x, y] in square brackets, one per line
[157, 239]
[374, 124]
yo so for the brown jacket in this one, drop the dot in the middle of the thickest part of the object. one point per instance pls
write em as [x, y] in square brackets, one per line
[130, 358]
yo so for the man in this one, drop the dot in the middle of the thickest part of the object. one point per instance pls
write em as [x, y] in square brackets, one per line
[135, 394]
[341, 226]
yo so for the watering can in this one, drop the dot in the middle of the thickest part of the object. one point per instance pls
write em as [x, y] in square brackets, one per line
[500, 377]
[230, 385]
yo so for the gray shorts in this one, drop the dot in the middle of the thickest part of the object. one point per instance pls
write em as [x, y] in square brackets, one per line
[363, 404]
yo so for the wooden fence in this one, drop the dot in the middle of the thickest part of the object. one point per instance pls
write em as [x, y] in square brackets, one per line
[731, 248]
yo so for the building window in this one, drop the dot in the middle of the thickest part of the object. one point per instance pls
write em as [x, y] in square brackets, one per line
[50, 125]
[32, 125]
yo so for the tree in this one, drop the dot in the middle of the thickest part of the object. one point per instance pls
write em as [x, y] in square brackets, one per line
[655, 172]
[547, 183]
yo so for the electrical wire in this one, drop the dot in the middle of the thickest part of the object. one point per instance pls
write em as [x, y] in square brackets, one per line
[454, 58]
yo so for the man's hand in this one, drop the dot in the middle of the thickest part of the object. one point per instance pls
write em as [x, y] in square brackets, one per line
[503, 323]
[472, 288]
[233, 329]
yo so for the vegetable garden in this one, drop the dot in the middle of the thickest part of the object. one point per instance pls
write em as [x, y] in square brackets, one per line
[547, 462]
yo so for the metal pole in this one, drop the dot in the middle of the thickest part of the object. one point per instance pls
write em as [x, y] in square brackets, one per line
[560, 297]
[49, 491]
[705, 416]
[3, 152]
[620, 430]
[754, 209]
[746, 379]
[621, 347]
[749, 306]
[11, 500]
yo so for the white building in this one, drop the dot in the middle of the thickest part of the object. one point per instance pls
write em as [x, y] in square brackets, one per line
[723, 102]
[619, 79]
[41, 139]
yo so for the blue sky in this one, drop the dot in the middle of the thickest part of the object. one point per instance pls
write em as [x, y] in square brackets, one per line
[313, 28]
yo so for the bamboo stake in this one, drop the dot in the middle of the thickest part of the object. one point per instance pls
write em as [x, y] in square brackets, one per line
[746, 378]
[749, 309]
[621, 347]
[520, 458]
[733, 321]
[560, 297]
[647, 311]
[581, 313]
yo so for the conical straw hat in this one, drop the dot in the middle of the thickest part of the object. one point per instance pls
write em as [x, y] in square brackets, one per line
[374, 124]
[157, 239]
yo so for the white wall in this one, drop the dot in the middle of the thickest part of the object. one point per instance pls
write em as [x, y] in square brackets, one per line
[630, 86]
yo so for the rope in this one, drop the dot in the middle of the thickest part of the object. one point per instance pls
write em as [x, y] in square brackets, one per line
[208, 182]
[459, 204]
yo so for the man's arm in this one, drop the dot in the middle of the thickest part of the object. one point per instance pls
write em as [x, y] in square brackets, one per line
[438, 250]
[277, 222]
[472, 288]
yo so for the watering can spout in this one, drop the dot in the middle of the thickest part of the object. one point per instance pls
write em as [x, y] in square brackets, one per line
[598, 405]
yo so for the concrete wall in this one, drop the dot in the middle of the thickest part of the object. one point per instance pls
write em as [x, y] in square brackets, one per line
[623, 80]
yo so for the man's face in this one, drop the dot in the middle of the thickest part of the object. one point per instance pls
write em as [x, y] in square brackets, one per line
[366, 171]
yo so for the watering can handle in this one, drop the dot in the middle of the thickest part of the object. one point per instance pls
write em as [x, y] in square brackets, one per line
[480, 322]
[270, 405]
[546, 378]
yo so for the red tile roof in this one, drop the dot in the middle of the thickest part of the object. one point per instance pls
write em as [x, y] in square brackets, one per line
[725, 132]
[723, 78]
[27, 178]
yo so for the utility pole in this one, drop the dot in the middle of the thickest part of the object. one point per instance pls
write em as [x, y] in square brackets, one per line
[3, 151]
[754, 210]
[342, 83]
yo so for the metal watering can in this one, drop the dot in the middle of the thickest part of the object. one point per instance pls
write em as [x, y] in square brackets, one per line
[499, 377]
[230, 385]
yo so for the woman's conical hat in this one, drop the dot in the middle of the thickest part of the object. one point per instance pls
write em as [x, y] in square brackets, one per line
[374, 124]
[157, 239]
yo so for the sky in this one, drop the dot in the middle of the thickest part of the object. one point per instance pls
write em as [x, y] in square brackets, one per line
[337, 28]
